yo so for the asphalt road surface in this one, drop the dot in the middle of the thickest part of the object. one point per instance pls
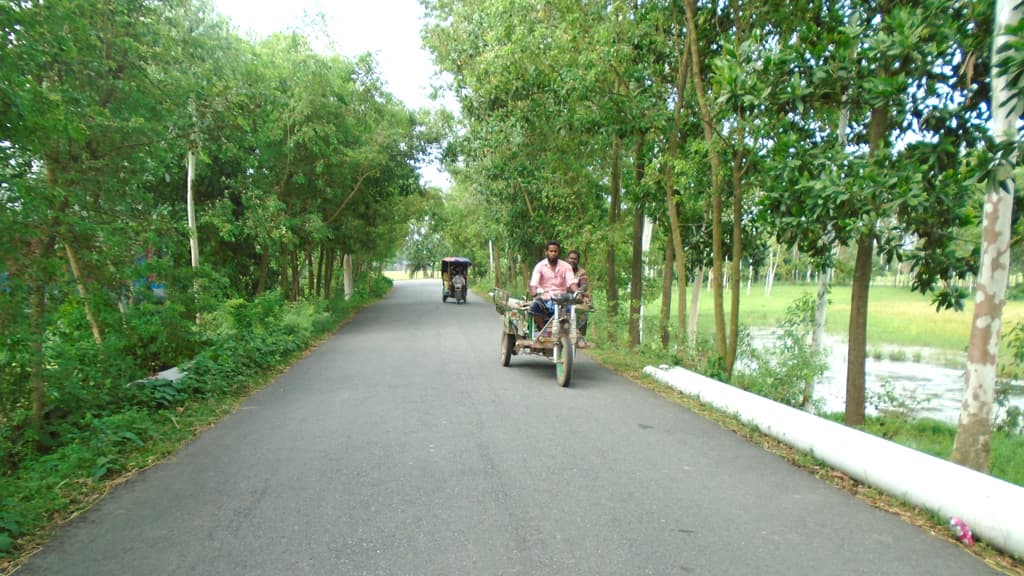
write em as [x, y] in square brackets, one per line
[402, 447]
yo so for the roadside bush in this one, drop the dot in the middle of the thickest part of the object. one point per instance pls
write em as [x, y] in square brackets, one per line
[159, 335]
[103, 420]
[785, 370]
[1007, 418]
[10, 524]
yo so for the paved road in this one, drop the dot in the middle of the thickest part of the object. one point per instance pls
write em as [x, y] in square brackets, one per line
[402, 447]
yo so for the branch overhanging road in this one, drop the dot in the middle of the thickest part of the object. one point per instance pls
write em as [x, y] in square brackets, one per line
[401, 446]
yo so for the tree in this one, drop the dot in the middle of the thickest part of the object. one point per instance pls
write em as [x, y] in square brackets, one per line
[914, 116]
[971, 447]
[87, 113]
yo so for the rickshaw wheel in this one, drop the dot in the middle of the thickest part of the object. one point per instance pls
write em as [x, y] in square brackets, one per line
[564, 361]
[508, 342]
[444, 298]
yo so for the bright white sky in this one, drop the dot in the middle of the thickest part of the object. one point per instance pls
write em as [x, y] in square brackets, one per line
[388, 29]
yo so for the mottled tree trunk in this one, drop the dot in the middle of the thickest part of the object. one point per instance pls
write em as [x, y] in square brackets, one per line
[346, 261]
[972, 445]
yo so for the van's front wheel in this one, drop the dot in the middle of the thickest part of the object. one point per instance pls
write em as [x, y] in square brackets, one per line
[564, 356]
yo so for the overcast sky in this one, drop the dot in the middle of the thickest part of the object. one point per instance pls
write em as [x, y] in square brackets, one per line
[388, 29]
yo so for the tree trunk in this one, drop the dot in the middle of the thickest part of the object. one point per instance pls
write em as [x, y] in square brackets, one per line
[310, 274]
[737, 246]
[193, 230]
[673, 208]
[878, 128]
[37, 370]
[820, 310]
[193, 227]
[498, 283]
[769, 276]
[329, 273]
[856, 353]
[615, 191]
[825, 276]
[636, 284]
[691, 329]
[76, 272]
[738, 169]
[972, 445]
[346, 262]
[283, 281]
[321, 259]
[296, 288]
[666, 296]
[716, 187]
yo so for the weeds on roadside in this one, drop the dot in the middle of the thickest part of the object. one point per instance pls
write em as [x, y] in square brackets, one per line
[787, 368]
[122, 428]
[898, 407]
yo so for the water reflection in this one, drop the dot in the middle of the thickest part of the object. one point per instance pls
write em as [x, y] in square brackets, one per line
[935, 390]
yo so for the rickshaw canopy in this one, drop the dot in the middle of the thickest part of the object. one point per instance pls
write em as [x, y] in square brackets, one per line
[449, 260]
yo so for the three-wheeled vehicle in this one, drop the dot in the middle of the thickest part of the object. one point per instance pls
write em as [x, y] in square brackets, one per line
[553, 337]
[454, 270]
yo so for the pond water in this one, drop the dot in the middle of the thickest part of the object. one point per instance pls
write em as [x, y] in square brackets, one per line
[932, 390]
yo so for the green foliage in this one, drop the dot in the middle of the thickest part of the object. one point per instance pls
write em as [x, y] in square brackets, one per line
[158, 335]
[99, 430]
[1008, 418]
[10, 525]
[897, 407]
[786, 368]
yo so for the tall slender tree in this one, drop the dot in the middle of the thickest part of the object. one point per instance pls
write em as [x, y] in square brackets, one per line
[972, 445]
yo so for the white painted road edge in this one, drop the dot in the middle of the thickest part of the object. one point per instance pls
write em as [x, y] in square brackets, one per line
[992, 508]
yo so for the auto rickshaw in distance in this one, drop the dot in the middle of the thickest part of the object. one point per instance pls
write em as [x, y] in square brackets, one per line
[454, 283]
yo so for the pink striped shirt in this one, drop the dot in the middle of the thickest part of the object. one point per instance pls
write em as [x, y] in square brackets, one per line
[547, 279]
